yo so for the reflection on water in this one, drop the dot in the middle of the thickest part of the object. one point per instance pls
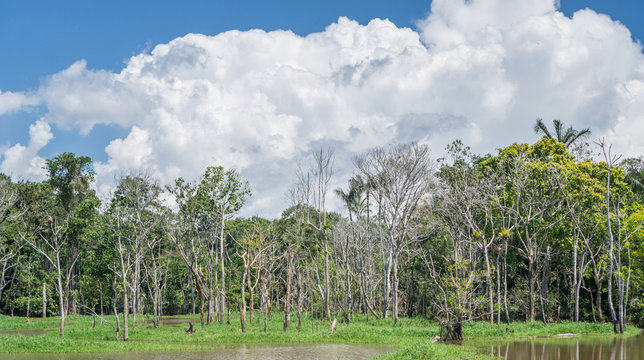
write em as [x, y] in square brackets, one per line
[287, 352]
[580, 348]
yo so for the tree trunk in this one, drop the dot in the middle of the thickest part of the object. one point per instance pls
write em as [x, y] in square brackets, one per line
[222, 298]
[287, 296]
[135, 284]
[250, 294]
[300, 299]
[125, 315]
[44, 300]
[211, 302]
[498, 287]
[192, 292]
[531, 288]
[264, 300]
[242, 303]
[61, 297]
[118, 321]
[543, 289]
[490, 283]
[505, 283]
[348, 281]
[598, 283]
[386, 284]
[394, 302]
[201, 308]
[327, 298]
[575, 280]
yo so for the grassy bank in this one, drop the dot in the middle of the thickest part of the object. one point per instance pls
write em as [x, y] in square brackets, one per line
[410, 337]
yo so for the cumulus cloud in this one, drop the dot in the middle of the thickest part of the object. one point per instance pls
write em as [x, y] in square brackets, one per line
[478, 70]
[23, 162]
[15, 101]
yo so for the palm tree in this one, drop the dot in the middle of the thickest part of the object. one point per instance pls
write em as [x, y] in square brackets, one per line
[353, 198]
[567, 136]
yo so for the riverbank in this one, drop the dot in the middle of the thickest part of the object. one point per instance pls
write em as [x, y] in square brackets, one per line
[410, 338]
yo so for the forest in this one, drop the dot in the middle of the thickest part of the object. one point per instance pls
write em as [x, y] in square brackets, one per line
[545, 232]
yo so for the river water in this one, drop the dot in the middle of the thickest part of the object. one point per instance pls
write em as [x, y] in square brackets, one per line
[573, 348]
[286, 352]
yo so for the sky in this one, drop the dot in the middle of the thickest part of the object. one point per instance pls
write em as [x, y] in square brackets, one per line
[172, 87]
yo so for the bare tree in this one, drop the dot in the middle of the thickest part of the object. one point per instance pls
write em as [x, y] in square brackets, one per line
[253, 246]
[118, 224]
[138, 195]
[225, 192]
[399, 178]
[618, 240]
[313, 186]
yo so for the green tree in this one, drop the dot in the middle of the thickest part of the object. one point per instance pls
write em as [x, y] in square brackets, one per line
[56, 214]
[569, 136]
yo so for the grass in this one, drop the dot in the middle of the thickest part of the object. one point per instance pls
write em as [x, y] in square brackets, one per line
[410, 338]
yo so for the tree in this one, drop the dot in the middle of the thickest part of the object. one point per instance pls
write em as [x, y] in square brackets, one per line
[8, 249]
[470, 203]
[138, 196]
[312, 188]
[70, 177]
[532, 203]
[224, 192]
[634, 175]
[399, 178]
[569, 136]
[621, 226]
[56, 213]
[45, 230]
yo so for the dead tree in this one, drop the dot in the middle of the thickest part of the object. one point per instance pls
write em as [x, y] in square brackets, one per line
[399, 179]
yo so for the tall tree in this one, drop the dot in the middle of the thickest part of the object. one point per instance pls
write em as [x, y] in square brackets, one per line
[399, 178]
[9, 249]
[313, 185]
[138, 195]
[569, 136]
[57, 213]
[224, 193]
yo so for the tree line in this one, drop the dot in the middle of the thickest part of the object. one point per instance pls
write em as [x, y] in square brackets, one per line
[536, 232]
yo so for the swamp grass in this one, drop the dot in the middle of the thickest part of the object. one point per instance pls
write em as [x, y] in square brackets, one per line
[410, 338]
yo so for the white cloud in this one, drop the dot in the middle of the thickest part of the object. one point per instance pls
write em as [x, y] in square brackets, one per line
[479, 70]
[15, 101]
[23, 162]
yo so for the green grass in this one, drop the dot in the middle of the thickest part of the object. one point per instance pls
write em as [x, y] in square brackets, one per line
[410, 337]
[478, 330]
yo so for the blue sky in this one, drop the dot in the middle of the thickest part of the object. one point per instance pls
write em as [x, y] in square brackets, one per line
[43, 37]
[44, 40]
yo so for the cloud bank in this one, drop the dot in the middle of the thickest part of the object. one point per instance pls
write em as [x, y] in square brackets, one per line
[260, 102]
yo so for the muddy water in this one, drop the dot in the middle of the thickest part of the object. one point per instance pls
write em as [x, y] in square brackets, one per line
[575, 348]
[288, 352]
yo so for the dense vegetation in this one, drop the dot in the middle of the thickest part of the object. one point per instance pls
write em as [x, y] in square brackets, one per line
[531, 233]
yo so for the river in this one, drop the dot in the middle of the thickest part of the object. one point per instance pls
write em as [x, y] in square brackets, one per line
[572, 348]
[286, 352]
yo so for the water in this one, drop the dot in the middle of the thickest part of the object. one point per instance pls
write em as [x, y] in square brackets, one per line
[574, 348]
[286, 352]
